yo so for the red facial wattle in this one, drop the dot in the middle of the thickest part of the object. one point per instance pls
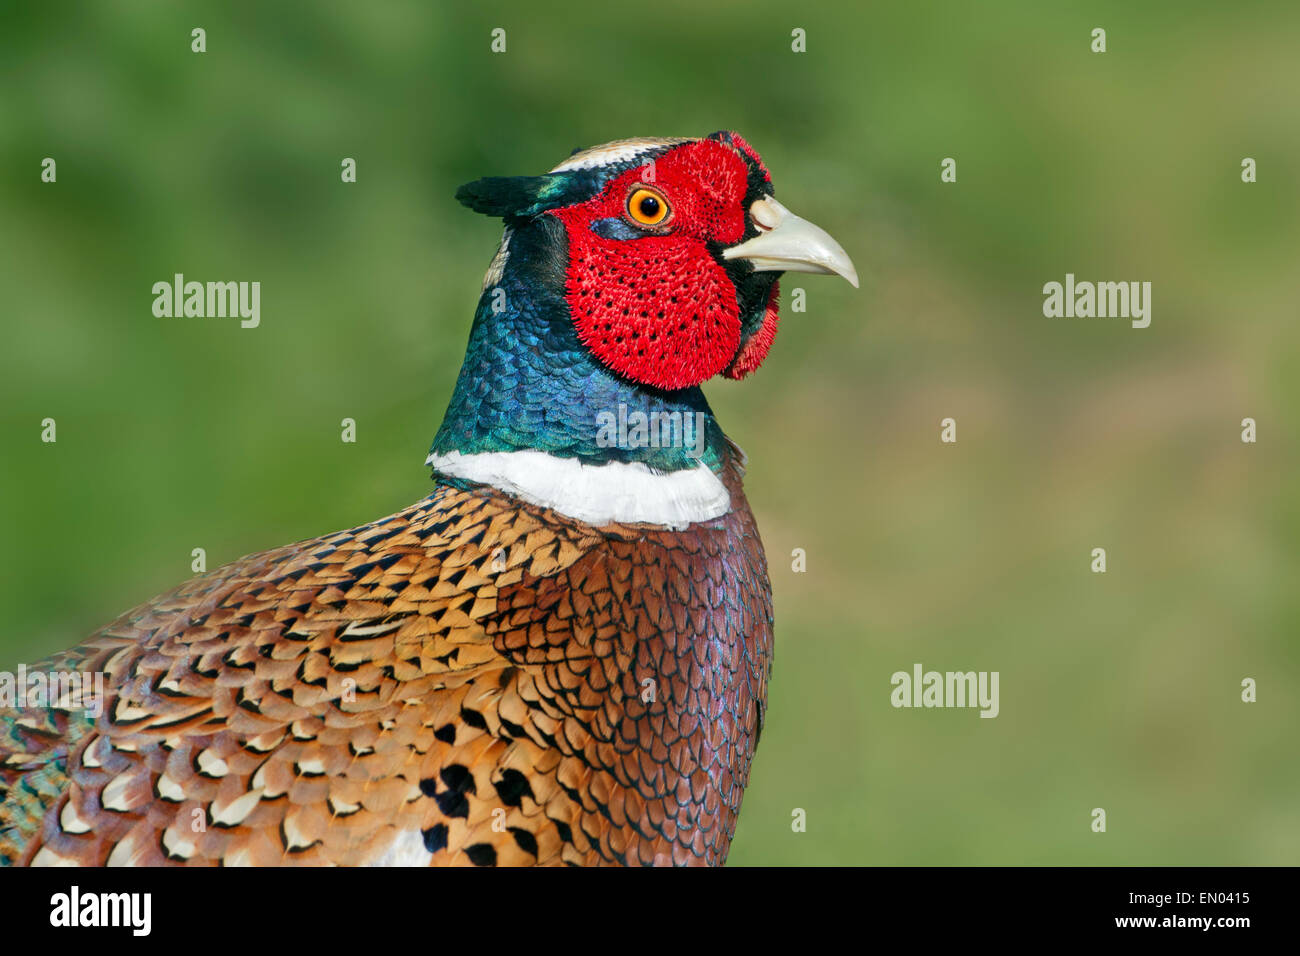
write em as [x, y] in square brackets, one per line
[660, 309]
[757, 345]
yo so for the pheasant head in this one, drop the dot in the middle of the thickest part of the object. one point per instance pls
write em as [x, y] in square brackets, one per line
[628, 275]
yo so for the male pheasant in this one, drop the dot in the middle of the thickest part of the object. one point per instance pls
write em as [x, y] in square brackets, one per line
[560, 655]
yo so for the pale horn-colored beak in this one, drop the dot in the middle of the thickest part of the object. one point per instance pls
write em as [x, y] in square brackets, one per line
[786, 243]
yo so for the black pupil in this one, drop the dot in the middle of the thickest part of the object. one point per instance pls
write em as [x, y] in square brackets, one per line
[649, 207]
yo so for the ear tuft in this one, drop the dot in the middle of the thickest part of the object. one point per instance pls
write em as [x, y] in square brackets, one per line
[506, 196]
[500, 195]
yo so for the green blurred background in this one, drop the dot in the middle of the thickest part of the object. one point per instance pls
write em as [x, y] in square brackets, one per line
[1119, 691]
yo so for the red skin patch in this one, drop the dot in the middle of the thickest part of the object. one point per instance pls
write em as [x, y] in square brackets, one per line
[755, 350]
[660, 310]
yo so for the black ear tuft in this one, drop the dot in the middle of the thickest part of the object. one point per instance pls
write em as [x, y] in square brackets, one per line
[526, 195]
[501, 195]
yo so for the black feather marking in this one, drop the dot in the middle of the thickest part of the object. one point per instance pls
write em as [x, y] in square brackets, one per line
[513, 787]
[458, 778]
[473, 718]
[482, 854]
[435, 838]
[526, 841]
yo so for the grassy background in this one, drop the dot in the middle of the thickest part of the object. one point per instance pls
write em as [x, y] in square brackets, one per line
[1118, 691]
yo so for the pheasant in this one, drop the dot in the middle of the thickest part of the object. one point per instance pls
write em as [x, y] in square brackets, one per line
[561, 655]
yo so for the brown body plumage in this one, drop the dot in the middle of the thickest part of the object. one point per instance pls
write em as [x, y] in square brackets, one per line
[470, 676]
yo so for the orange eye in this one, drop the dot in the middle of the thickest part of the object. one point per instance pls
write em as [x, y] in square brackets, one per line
[647, 207]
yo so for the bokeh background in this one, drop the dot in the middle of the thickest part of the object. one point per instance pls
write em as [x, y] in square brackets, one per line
[1119, 691]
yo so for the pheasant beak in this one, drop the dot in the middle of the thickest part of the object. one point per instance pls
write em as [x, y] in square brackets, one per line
[786, 243]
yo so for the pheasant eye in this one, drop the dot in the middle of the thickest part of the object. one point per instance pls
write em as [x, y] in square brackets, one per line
[647, 207]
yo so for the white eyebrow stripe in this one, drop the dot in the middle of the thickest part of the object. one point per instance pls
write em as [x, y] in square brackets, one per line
[619, 151]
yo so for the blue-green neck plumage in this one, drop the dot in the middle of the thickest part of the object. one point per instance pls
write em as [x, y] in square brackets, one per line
[529, 383]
